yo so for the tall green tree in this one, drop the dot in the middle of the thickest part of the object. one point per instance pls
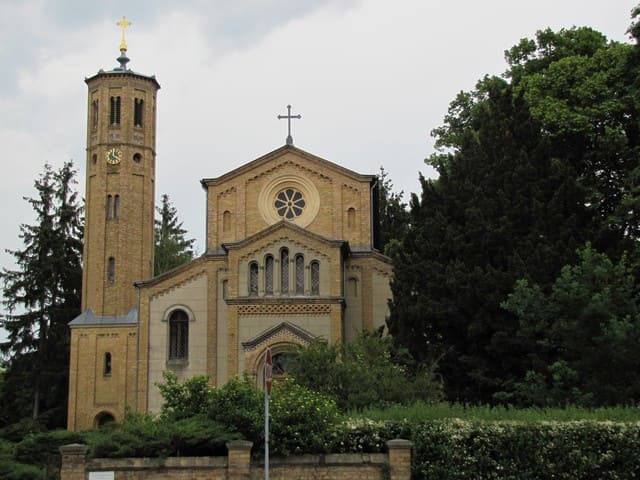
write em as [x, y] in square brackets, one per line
[394, 213]
[41, 296]
[172, 249]
[531, 166]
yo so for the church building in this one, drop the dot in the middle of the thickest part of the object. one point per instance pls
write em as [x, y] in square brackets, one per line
[291, 256]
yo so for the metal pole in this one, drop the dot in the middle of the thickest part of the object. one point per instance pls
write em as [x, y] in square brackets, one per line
[266, 435]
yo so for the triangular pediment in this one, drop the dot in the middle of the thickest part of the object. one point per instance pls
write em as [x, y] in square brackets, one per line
[280, 227]
[284, 332]
[287, 150]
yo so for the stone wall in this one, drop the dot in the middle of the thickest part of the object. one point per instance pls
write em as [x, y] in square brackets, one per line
[396, 465]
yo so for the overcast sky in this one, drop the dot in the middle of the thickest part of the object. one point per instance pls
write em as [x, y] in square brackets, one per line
[371, 79]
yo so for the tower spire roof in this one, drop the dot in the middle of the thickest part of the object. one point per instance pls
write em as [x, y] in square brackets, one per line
[123, 59]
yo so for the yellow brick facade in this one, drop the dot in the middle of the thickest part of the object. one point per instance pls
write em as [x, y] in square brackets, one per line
[290, 256]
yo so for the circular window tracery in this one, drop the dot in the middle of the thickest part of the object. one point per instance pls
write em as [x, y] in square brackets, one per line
[290, 203]
[289, 197]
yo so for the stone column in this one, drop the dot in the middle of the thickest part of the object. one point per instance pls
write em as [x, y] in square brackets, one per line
[238, 460]
[73, 462]
[400, 459]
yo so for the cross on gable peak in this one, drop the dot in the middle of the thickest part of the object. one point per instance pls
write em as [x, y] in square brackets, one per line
[288, 116]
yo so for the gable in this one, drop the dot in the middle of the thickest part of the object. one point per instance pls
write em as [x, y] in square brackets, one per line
[293, 186]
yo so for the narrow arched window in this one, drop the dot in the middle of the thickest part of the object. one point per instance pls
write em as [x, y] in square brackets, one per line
[299, 275]
[109, 206]
[178, 335]
[253, 279]
[315, 277]
[351, 217]
[225, 289]
[114, 112]
[111, 269]
[94, 115]
[268, 275]
[137, 112]
[284, 271]
[106, 371]
[116, 206]
[353, 287]
[226, 221]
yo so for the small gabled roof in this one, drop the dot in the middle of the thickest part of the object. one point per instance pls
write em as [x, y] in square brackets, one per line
[88, 318]
[284, 225]
[293, 329]
[206, 182]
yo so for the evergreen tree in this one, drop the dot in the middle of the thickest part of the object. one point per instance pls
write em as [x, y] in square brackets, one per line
[587, 329]
[172, 249]
[531, 167]
[41, 296]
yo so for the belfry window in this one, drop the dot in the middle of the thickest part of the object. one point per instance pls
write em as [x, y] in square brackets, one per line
[94, 115]
[253, 279]
[114, 112]
[268, 275]
[299, 275]
[284, 271]
[178, 335]
[315, 277]
[137, 112]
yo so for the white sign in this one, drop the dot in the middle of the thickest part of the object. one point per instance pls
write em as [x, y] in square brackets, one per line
[102, 475]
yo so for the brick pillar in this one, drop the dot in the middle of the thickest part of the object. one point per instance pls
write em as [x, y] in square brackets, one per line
[238, 460]
[400, 459]
[73, 462]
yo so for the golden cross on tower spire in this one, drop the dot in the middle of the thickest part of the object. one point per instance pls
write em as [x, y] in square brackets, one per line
[123, 24]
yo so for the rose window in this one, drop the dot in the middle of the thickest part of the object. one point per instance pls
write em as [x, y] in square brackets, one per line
[290, 203]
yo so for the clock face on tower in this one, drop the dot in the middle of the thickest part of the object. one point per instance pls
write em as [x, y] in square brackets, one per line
[113, 156]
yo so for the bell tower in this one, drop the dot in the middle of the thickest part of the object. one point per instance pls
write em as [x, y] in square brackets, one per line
[120, 186]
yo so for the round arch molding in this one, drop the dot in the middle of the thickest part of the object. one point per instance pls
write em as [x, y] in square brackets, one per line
[277, 190]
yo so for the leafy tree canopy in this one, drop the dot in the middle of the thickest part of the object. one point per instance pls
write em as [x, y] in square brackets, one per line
[531, 166]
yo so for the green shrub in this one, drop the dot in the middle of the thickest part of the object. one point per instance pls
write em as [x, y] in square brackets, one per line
[299, 419]
[142, 436]
[239, 405]
[183, 399]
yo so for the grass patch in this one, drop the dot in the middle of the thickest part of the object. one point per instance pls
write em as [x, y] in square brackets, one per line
[421, 411]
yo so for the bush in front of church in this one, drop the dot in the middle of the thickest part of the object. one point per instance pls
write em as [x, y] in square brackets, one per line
[300, 419]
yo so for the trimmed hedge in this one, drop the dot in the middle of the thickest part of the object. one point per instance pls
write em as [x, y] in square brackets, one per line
[442, 449]
[457, 449]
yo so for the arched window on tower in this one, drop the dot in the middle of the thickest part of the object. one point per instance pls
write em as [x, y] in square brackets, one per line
[94, 115]
[299, 274]
[253, 279]
[109, 206]
[178, 335]
[284, 271]
[111, 269]
[116, 206]
[114, 111]
[138, 103]
[107, 364]
[315, 277]
[268, 275]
